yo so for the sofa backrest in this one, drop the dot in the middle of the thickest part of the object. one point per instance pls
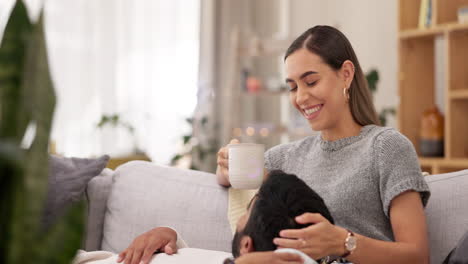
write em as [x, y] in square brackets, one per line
[145, 195]
[447, 212]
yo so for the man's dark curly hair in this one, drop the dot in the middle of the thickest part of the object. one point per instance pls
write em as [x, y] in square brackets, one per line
[280, 199]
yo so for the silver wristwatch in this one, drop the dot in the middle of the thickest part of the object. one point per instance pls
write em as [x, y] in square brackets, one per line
[350, 243]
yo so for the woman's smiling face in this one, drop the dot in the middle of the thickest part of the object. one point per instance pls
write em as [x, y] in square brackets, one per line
[316, 90]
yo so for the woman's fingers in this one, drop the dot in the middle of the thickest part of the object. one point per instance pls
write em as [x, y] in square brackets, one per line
[289, 243]
[310, 218]
[223, 163]
[292, 233]
[223, 153]
[225, 172]
[222, 170]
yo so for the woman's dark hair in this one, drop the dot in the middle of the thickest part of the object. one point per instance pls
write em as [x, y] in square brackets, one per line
[334, 49]
[280, 199]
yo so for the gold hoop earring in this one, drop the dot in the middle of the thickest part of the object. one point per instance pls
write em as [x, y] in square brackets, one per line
[346, 93]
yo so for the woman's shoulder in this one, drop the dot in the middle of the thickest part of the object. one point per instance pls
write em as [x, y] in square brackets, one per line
[388, 137]
[389, 144]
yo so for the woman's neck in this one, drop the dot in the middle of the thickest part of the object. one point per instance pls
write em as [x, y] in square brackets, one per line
[342, 130]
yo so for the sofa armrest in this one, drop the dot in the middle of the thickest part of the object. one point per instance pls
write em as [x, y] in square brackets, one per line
[447, 212]
[97, 193]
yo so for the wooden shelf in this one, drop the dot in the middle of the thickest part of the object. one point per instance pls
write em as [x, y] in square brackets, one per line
[416, 84]
[444, 14]
[459, 94]
[455, 27]
[417, 33]
[433, 31]
[426, 161]
[457, 50]
[417, 80]
[457, 129]
[442, 165]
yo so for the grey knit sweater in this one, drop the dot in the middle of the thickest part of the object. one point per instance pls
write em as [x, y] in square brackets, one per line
[357, 176]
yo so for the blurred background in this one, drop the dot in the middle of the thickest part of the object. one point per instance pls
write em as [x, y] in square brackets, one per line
[173, 81]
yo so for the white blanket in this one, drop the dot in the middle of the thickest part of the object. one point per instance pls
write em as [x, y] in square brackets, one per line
[184, 255]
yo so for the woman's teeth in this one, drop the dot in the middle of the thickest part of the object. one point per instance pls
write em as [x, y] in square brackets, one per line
[312, 110]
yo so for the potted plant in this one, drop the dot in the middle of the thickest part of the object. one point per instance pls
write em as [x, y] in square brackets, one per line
[27, 97]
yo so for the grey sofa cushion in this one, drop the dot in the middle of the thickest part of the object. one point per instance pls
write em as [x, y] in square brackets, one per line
[97, 193]
[68, 178]
[145, 195]
[447, 212]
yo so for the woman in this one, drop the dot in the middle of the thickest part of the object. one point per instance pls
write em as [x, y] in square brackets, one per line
[368, 175]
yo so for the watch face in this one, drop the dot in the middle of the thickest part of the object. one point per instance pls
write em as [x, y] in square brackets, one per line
[351, 243]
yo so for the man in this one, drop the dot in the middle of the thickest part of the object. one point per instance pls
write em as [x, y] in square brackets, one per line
[280, 199]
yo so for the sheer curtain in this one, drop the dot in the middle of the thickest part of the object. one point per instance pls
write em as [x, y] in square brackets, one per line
[138, 59]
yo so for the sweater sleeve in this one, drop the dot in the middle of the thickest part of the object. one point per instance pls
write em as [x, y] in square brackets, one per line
[398, 167]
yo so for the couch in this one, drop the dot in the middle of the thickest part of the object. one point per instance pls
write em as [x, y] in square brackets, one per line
[140, 195]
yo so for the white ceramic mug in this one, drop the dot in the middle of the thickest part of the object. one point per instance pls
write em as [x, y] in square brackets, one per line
[246, 163]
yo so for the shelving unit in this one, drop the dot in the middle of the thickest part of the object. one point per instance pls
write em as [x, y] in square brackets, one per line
[265, 116]
[417, 79]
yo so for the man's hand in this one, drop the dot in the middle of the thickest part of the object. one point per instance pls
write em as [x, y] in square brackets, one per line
[161, 239]
[269, 257]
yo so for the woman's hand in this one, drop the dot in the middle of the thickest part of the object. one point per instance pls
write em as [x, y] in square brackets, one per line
[222, 171]
[318, 240]
[269, 257]
[162, 239]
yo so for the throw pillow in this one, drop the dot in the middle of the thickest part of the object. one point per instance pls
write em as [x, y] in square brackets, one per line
[68, 178]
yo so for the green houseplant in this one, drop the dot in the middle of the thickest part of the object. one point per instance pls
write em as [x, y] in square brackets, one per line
[115, 121]
[199, 151]
[27, 98]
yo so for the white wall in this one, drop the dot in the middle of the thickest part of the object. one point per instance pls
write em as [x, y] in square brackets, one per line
[371, 27]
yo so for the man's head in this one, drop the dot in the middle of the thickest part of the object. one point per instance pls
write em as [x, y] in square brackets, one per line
[280, 199]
